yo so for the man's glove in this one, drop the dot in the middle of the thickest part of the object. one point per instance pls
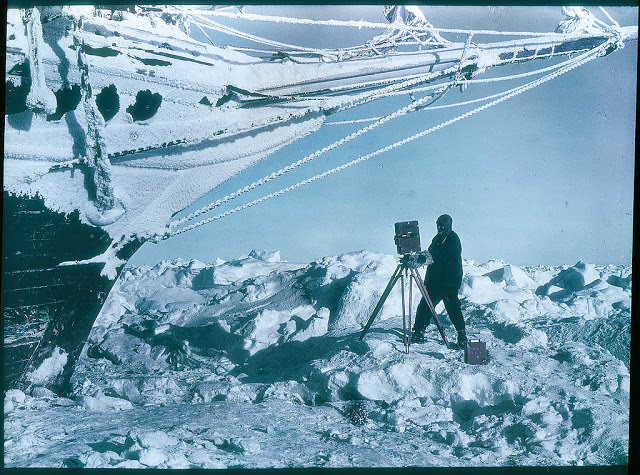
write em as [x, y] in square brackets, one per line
[417, 259]
[424, 257]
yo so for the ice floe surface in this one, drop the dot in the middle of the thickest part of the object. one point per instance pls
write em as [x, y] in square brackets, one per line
[257, 362]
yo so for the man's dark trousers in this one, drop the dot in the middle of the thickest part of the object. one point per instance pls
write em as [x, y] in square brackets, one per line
[451, 304]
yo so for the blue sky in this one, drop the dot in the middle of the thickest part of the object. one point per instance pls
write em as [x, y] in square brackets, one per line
[544, 178]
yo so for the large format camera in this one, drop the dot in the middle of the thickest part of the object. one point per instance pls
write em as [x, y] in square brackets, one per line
[407, 241]
[407, 237]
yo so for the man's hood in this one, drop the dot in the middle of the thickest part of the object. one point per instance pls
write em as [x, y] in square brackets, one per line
[446, 220]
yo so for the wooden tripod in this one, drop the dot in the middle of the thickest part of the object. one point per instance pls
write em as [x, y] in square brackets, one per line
[407, 267]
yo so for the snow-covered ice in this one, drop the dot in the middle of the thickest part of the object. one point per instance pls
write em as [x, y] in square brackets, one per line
[256, 362]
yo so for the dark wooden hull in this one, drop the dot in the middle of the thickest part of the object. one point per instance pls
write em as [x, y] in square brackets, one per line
[46, 306]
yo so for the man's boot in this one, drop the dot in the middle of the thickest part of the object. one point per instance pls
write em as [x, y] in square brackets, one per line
[462, 339]
[417, 337]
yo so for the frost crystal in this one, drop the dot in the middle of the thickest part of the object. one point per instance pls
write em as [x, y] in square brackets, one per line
[40, 97]
[578, 19]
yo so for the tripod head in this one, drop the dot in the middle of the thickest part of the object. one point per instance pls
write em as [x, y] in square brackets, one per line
[416, 259]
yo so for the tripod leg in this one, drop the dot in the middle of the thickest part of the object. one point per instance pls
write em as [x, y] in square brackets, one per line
[404, 318]
[425, 294]
[409, 316]
[385, 294]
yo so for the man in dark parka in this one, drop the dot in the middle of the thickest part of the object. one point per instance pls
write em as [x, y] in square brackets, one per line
[443, 280]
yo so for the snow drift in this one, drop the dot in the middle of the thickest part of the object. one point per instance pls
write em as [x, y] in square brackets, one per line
[257, 362]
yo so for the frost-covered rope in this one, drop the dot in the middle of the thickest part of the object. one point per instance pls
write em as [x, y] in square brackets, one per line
[407, 81]
[354, 121]
[285, 47]
[203, 32]
[390, 90]
[522, 75]
[251, 50]
[578, 61]
[416, 79]
[359, 101]
[359, 24]
[400, 112]
[198, 20]
[608, 16]
[468, 81]
[257, 39]
[429, 108]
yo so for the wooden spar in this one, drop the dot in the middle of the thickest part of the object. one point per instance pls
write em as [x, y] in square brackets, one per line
[402, 65]
[274, 77]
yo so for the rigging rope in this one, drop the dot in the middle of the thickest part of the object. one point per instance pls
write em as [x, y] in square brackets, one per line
[232, 31]
[359, 101]
[400, 112]
[207, 22]
[389, 90]
[578, 61]
[355, 121]
[468, 81]
[488, 80]
[203, 32]
[430, 108]
[359, 24]
[292, 49]
[409, 80]
[613, 22]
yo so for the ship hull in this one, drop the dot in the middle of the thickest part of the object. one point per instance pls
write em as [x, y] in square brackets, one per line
[48, 309]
